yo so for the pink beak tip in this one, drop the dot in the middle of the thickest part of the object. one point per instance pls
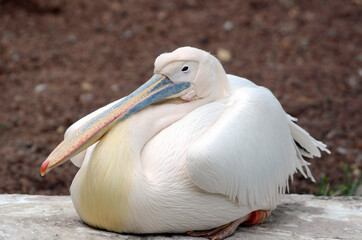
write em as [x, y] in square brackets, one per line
[44, 167]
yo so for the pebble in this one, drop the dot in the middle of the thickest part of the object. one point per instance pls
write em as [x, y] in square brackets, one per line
[15, 57]
[18, 98]
[40, 88]
[360, 72]
[352, 82]
[332, 134]
[115, 87]
[162, 15]
[86, 97]
[86, 86]
[228, 26]
[342, 150]
[224, 55]
[60, 130]
[285, 42]
[331, 33]
[294, 12]
[128, 34]
[72, 38]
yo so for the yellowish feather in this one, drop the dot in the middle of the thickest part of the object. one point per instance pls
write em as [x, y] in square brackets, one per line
[107, 180]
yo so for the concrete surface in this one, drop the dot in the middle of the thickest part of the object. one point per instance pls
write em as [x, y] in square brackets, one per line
[297, 217]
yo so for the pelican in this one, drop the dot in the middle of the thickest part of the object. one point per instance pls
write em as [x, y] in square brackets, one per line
[192, 150]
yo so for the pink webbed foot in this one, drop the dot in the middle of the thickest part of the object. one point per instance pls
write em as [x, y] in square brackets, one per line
[227, 230]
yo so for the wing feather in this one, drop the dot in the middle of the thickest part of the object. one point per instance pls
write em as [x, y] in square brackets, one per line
[309, 146]
[249, 153]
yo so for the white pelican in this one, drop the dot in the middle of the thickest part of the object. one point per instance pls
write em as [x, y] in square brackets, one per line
[193, 149]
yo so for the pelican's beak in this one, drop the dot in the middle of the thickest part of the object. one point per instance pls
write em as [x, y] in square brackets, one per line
[157, 88]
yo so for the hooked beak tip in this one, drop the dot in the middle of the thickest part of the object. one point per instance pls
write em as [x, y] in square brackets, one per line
[44, 167]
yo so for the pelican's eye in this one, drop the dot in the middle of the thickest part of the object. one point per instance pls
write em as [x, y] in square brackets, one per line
[185, 69]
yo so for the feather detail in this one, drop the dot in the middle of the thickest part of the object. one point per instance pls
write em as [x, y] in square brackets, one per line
[309, 146]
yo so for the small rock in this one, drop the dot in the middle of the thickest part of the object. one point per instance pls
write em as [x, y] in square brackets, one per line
[228, 26]
[352, 82]
[224, 55]
[18, 98]
[356, 172]
[332, 134]
[331, 33]
[285, 42]
[86, 86]
[342, 150]
[287, 28]
[128, 34]
[162, 15]
[294, 12]
[115, 87]
[360, 72]
[60, 130]
[72, 38]
[40, 88]
[309, 16]
[86, 97]
[15, 57]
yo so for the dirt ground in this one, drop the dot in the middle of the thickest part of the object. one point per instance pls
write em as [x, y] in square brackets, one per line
[60, 60]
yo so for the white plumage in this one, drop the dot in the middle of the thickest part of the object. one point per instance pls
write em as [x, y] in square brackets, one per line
[191, 166]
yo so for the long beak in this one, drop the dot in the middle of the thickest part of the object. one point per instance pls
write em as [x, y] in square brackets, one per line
[155, 89]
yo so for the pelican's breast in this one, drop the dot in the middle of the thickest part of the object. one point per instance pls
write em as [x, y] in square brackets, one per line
[100, 189]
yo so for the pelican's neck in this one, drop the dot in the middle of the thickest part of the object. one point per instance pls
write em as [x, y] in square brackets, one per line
[223, 86]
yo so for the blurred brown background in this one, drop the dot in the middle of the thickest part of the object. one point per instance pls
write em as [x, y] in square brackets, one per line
[60, 60]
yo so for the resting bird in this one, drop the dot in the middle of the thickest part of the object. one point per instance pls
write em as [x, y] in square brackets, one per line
[192, 150]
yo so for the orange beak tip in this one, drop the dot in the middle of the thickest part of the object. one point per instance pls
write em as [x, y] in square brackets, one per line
[44, 167]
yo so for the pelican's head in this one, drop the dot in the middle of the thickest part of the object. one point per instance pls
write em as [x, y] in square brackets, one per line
[187, 73]
[203, 71]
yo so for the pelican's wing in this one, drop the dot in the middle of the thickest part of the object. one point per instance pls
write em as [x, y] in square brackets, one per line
[249, 153]
[239, 82]
[84, 155]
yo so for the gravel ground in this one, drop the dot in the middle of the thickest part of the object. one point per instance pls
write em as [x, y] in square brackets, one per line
[60, 60]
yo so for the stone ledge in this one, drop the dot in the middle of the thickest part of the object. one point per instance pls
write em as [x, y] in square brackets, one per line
[297, 217]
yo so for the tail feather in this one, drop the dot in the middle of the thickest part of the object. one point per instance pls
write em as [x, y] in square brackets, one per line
[307, 145]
